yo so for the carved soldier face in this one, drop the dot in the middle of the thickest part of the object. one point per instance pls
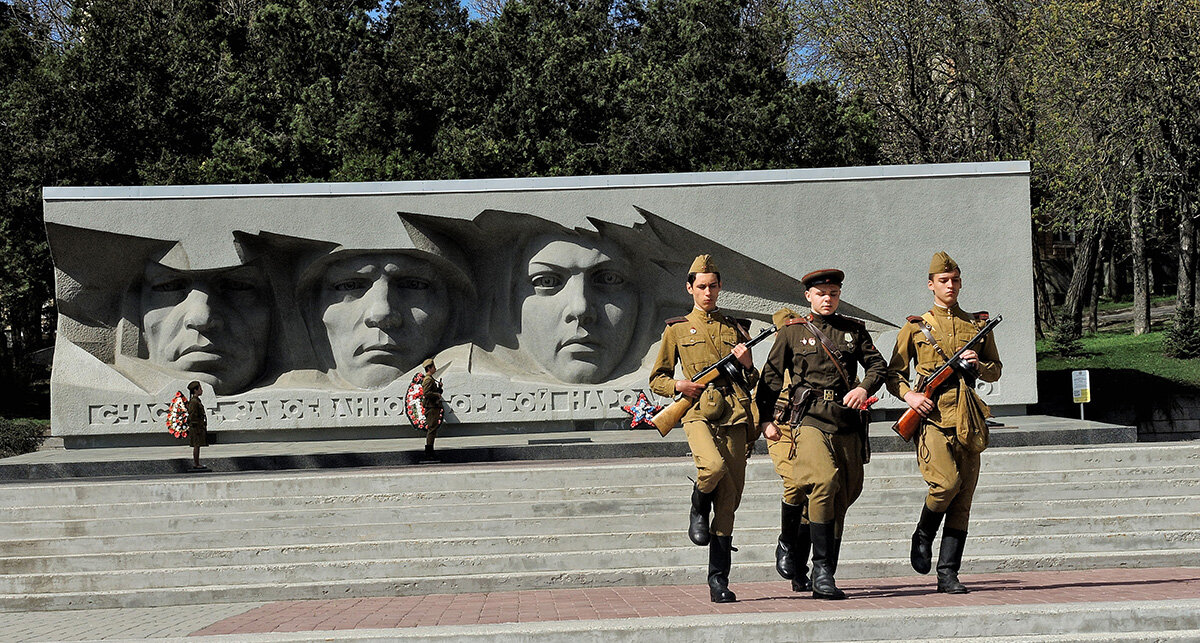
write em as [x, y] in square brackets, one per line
[213, 324]
[383, 313]
[579, 307]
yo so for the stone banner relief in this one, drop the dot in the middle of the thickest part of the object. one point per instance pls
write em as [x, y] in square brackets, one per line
[311, 307]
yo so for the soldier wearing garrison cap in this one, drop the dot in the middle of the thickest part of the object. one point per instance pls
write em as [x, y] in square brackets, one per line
[953, 430]
[821, 460]
[431, 403]
[720, 426]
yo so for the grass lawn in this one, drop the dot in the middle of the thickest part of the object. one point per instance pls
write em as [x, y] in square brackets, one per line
[1122, 350]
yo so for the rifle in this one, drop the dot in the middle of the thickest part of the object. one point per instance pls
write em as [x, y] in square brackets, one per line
[667, 418]
[908, 423]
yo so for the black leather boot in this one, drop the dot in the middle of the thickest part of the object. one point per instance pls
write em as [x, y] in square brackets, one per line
[720, 554]
[949, 560]
[801, 582]
[789, 524]
[835, 555]
[822, 571]
[921, 555]
[429, 455]
[701, 506]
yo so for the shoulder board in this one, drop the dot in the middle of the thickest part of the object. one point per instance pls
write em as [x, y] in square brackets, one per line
[914, 319]
[980, 316]
[676, 320]
[799, 320]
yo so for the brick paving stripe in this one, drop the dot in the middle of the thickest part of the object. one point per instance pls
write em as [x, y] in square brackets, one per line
[1049, 587]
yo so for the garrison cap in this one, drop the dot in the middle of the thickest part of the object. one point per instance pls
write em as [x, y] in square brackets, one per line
[426, 364]
[825, 276]
[703, 263]
[940, 263]
[782, 316]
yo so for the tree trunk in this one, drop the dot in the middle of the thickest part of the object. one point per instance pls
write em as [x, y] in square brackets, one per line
[1141, 276]
[1093, 324]
[1112, 279]
[1186, 291]
[1078, 291]
[1043, 307]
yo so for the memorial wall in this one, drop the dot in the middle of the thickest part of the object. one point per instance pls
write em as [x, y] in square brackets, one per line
[310, 307]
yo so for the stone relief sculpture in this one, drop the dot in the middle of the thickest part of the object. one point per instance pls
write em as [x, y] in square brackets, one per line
[375, 316]
[212, 325]
[311, 312]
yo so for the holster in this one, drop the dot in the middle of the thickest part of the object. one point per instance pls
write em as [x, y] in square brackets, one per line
[793, 411]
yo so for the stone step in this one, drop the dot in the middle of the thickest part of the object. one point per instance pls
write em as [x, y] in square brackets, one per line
[1170, 476]
[441, 556]
[756, 527]
[646, 471]
[525, 519]
[330, 580]
[521, 526]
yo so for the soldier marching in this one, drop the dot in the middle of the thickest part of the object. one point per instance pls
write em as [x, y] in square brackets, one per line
[720, 427]
[953, 429]
[820, 353]
[811, 406]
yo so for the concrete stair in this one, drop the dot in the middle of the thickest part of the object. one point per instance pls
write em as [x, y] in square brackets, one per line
[384, 532]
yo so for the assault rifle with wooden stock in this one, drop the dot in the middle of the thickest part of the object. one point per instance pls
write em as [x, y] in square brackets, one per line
[728, 366]
[908, 423]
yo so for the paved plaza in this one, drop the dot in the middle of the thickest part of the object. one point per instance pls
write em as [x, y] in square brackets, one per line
[1102, 589]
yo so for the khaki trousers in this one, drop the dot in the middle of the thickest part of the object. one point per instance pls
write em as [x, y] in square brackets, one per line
[720, 456]
[433, 422]
[786, 466]
[951, 473]
[829, 471]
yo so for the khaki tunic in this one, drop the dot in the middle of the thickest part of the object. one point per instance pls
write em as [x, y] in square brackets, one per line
[721, 423]
[197, 423]
[826, 467]
[950, 471]
[431, 403]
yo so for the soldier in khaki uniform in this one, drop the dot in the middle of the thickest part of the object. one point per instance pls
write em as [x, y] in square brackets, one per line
[720, 427]
[793, 545]
[431, 403]
[954, 428]
[821, 353]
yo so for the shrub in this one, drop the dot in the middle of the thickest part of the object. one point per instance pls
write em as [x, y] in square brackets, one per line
[1064, 338]
[20, 436]
[1182, 340]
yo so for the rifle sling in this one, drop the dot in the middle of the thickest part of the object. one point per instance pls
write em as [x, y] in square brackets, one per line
[831, 350]
[928, 330]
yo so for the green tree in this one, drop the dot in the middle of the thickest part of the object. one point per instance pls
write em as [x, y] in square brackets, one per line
[25, 272]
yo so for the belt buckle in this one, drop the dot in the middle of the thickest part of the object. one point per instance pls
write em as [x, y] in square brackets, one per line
[828, 395]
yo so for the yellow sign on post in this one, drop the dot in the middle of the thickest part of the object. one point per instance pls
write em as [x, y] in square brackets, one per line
[1081, 386]
[1081, 389]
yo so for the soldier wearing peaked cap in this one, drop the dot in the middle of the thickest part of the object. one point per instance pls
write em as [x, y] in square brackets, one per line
[720, 427]
[431, 403]
[953, 430]
[820, 352]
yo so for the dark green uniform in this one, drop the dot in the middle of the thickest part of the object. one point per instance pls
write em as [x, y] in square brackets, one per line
[828, 441]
